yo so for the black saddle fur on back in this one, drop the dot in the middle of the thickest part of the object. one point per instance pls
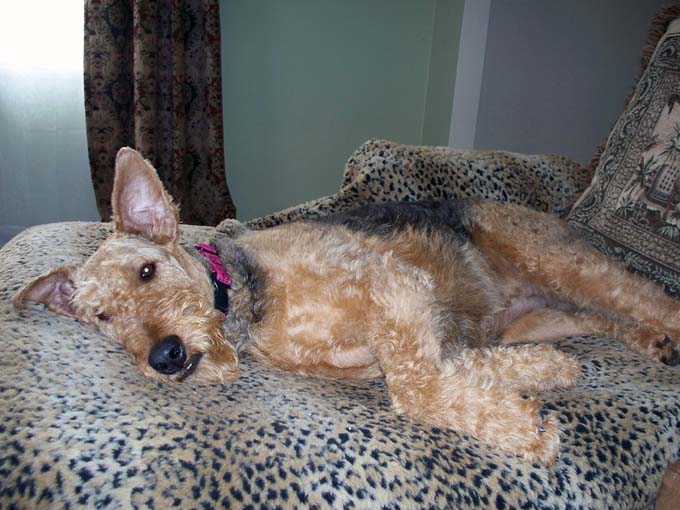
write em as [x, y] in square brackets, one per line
[444, 216]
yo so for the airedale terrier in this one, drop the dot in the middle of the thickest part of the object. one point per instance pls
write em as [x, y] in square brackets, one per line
[422, 294]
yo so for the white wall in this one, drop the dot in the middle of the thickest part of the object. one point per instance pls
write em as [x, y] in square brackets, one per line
[44, 169]
[556, 73]
[469, 73]
[306, 82]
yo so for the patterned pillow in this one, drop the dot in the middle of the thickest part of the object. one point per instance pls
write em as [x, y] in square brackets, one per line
[631, 210]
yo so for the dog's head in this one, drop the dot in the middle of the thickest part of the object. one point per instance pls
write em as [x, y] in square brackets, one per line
[141, 288]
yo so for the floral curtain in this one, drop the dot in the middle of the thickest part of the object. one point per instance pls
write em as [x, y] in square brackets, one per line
[153, 82]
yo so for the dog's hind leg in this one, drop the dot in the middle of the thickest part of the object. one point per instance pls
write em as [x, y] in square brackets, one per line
[548, 324]
[545, 252]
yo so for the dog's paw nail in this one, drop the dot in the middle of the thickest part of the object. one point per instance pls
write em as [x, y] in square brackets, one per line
[542, 415]
[663, 343]
[673, 359]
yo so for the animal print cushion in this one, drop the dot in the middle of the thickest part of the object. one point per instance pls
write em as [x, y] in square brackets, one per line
[81, 428]
[383, 171]
[631, 210]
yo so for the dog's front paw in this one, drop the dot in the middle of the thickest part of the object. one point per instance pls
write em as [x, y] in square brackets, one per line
[550, 369]
[547, 447]
[567, 371]
[535, 434]
[518, 425]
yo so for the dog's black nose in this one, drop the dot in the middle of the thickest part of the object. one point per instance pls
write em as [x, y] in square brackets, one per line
[168, 356]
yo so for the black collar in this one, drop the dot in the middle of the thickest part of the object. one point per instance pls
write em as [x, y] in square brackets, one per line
[221, 294]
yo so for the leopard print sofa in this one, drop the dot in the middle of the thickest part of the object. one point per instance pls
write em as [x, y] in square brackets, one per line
[81, 428]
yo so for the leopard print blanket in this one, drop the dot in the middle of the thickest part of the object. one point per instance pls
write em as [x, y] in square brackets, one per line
[384, 171]
[80, 427]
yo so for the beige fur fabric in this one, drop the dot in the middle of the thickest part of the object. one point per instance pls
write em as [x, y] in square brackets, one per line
[81, 427]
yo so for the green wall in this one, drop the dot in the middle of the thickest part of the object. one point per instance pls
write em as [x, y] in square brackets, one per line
[307, 81]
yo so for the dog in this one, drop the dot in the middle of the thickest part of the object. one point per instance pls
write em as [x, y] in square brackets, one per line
[428, 296]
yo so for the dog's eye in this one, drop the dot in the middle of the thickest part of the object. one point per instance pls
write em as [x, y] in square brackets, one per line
[103, 317]
[147, 271]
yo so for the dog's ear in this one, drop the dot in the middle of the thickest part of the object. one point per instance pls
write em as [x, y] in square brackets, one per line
[140, 203]
[54, 289]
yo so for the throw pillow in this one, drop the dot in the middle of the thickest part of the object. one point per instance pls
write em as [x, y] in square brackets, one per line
[631, 210]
